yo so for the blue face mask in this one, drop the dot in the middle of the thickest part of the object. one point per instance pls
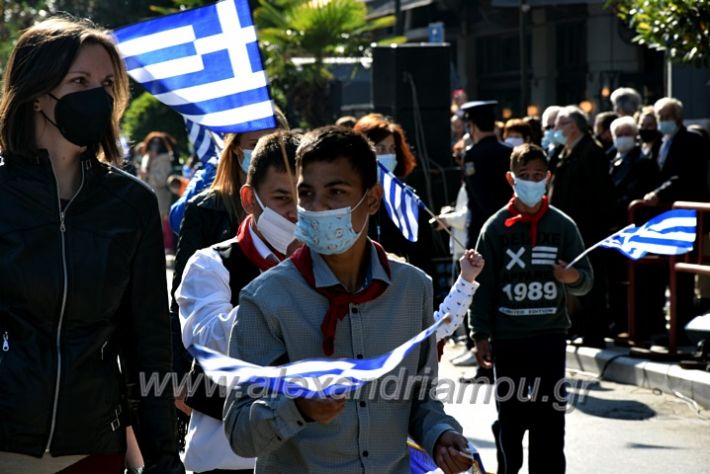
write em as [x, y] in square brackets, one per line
[547, 138]
[530, 192]
[388, 160]
[328, 232]
[667, 127]
[559, 138]
[246, 160]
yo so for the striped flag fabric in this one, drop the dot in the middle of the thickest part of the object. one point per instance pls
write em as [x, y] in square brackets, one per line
[204, 63]
[309, 378]
[401, 204]
[670, 233]
[207, 144]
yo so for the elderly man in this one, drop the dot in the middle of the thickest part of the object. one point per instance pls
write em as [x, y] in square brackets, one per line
[682, 159]
[551, 147]
[626, 101]
[633, 174]
[582, 188]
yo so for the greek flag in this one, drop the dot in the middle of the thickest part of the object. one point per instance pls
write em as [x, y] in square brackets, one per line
[401, 204]
[310, 378]
[670, 233]
[207, 144]
[204, 63]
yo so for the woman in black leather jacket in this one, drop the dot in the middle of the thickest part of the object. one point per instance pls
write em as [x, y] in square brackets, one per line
[82, 269]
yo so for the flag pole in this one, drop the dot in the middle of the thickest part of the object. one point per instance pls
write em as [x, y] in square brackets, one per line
[583, 254]
[443, 224]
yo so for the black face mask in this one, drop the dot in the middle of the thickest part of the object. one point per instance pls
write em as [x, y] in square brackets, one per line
[649, 135]
[82, 117]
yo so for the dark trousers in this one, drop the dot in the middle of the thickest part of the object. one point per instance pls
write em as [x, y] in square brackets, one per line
[531, 395]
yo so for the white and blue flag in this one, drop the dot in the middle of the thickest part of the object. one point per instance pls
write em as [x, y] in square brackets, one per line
[401, 204]
[207, 144]
[309, 378]
[205, 64]
[670, 233]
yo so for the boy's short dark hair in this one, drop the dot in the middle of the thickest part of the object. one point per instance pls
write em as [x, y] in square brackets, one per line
[268, 154]
[332, 142]
[525, 153]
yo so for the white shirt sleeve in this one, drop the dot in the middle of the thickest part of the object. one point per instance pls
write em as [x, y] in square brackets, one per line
[204, 298]
[456, 304]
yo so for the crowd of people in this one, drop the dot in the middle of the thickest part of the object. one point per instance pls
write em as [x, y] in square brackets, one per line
[285, 253]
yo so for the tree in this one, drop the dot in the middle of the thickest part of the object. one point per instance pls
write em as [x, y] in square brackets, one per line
[681, 28]
[312, 30]
[146, 114]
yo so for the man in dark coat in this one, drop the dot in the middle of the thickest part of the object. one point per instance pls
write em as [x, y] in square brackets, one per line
[485, 166]
[582, 188]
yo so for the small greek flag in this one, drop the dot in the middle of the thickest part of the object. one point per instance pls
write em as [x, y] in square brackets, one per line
[401, 204]
[207, 144]
[204, 63]
[670, 233]
[310, 378]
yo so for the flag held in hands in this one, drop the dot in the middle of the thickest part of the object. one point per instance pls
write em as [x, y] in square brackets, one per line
[310, 378]
[670, 233]
[205, 64]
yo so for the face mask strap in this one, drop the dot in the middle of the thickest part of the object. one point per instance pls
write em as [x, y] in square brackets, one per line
[261, 204]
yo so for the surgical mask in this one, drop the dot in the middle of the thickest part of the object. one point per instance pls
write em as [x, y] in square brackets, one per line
[624, 144]
[547, 138]
[667, 127]
[514, 141]
[246, 160]
[530, 192]
[328, 232]
[388, 160]
[83, 117]
[559, 138]
[275, 228]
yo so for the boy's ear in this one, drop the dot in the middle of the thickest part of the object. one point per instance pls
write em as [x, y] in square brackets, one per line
[246, 194]
[510, 177]
[374, 199]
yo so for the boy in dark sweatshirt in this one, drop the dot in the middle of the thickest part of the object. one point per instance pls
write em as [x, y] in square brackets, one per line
[519, 313]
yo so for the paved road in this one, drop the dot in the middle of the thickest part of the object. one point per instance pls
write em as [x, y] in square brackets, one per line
[611, 428]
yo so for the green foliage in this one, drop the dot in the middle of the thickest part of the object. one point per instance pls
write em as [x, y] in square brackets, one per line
[681, 28]
[313, 29]
[146, 114]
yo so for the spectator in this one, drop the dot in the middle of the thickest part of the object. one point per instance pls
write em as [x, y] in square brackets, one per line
[626, 101]
[602, 132]
[550, 144]
[516, 132]
[347, 121]
[535, 129]
[648, 133]
[156, 166]
[582, 189]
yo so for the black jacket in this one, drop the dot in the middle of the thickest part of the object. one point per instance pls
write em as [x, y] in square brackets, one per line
[485, 166]
[633, 174]
[582, 189]
[685, 172]
[78, 288]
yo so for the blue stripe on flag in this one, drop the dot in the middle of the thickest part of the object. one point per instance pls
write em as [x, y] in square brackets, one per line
[253, 96]
[165, 54]
[216, 67]
[401, 204]
[310, 378]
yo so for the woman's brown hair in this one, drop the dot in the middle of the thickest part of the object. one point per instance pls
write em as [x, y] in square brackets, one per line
[38, 63]
[376, 128]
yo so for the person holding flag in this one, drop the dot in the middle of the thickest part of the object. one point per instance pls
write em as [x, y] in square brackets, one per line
[339, 295]
[519, 316]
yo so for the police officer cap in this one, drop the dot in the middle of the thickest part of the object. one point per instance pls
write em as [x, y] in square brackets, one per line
[479, 110]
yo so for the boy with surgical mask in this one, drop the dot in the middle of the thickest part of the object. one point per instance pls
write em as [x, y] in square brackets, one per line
[339, 296]
[209, 293]
[519, 316]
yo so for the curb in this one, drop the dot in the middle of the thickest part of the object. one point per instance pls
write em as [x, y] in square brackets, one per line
[615, 365]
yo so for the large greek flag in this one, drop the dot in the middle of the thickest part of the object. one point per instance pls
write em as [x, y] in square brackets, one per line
[401, 204]
[204, 63]
[670, 233]
[311, 378]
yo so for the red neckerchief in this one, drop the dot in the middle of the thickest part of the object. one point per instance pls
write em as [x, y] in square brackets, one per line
[246, 243]
[338, 298]
[533, 219]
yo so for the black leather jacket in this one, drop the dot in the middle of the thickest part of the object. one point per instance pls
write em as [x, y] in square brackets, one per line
[79, 287]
